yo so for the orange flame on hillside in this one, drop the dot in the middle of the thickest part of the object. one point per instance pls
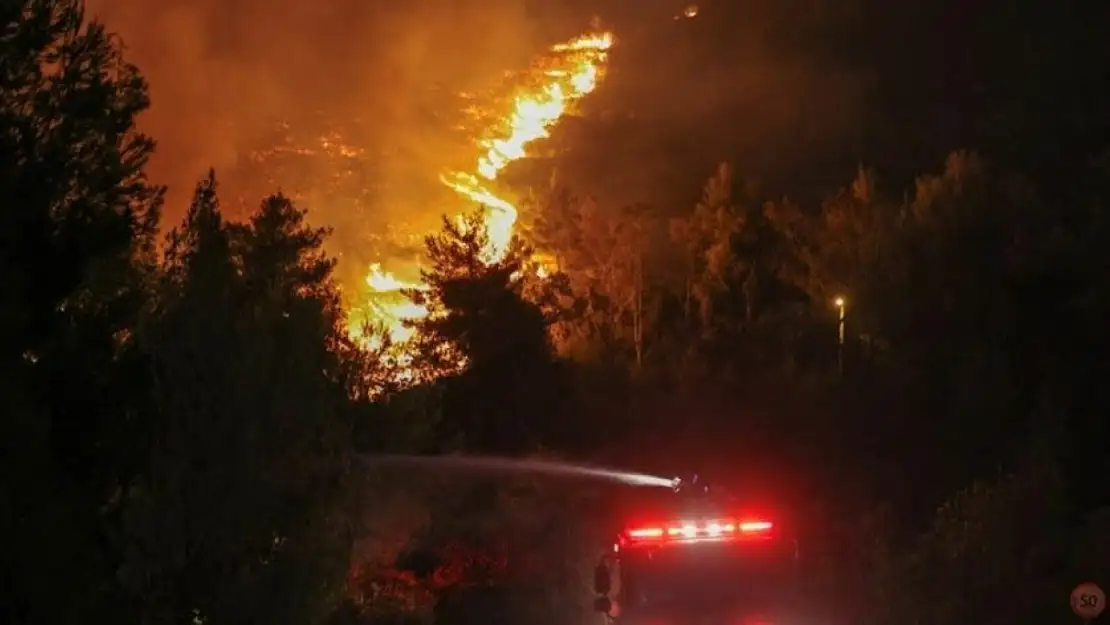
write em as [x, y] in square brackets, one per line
[571, 71]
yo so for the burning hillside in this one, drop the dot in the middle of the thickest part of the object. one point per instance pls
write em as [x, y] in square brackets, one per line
[569, 72]
[345, 176]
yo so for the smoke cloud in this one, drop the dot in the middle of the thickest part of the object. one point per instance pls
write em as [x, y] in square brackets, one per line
[383, 78]
[224, 72]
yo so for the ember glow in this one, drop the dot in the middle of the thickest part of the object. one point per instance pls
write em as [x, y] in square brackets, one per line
[569, 72]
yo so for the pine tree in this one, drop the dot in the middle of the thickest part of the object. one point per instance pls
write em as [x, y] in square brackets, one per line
[508, 392]
[254, 395]
[76, 216]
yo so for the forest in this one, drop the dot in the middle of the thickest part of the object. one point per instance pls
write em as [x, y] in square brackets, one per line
[188, 427]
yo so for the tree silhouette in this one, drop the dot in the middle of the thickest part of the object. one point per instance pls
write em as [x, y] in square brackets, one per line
[508, 392]
[254, 396]
[77, 216]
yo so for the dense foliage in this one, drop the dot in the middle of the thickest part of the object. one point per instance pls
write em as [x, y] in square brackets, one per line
[185, 425]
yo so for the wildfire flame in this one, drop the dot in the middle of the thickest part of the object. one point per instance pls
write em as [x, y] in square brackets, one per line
[571, 71]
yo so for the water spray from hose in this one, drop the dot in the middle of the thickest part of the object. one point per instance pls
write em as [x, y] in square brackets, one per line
[521, 465]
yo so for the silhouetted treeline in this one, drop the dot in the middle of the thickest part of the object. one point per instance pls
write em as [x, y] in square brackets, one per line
[183, 415]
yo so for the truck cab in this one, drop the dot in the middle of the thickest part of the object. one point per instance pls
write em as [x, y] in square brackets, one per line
[699, 555]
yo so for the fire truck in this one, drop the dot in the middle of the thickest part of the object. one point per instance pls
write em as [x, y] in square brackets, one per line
[699, 555]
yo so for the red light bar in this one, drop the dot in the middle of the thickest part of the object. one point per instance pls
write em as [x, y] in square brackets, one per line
[692, 531]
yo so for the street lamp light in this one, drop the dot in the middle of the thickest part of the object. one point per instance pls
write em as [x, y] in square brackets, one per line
[839, 301]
